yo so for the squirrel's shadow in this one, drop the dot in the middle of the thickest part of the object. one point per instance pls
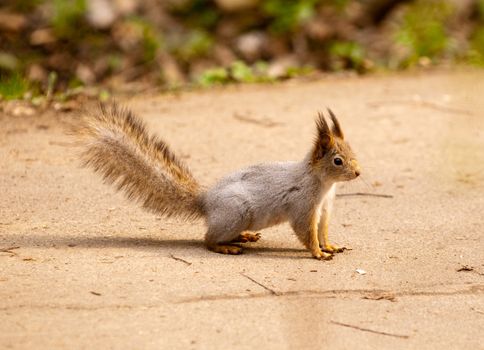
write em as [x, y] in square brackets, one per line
[188, 246]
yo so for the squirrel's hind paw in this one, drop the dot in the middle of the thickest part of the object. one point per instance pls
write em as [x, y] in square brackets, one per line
[246, 237]
[226, 249]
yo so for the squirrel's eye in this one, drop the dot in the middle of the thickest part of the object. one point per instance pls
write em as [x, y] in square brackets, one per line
[338, 161]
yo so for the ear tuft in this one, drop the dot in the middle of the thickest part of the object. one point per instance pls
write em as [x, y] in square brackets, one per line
[336, 129]
[322, 125]
[324, 138]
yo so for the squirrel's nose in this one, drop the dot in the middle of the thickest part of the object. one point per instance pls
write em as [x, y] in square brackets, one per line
[357, 173]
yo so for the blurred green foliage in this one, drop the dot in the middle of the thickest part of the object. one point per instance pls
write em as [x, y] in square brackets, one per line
[214, 76]
[423, 30]
[288, 15]
[26, 5]
[196, 43]
[151, 39]
[190, 32]
[13, 86]
[67, 17]
[240, 72]
[197, 13]
[346, 54]
[476, 52]
[340, 4]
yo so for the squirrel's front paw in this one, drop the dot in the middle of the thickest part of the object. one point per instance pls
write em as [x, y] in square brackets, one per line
[330, 248]
[320, 255]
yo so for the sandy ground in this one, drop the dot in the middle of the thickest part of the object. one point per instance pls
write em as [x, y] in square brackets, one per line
[82, 268]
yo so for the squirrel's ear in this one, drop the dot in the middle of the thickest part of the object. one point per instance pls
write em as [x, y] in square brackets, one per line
[322, 125]
[336, 129]
[324, 139]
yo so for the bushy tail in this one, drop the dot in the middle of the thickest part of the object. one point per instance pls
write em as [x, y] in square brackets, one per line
[117, 146]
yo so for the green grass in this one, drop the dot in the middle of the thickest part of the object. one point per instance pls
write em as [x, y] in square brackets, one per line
[13, 86]
[240, 72]
[214, 76]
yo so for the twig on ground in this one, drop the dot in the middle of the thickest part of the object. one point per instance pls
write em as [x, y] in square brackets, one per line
[180, 259]
[465, 268]
[477, 310]
[370, 330]
[428, 104]
[332, 293]
[272, 291]
[262, 122]
[364, 194]
[446, 109]
[381, 296]
[9, 250]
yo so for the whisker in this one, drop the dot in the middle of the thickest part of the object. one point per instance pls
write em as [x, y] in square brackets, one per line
[351, 186]
[365, 182]
[369, 167]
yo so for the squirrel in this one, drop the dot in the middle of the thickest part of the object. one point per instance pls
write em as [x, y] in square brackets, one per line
[116, 144]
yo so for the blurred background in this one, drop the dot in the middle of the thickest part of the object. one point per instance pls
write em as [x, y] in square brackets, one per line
[58, 45]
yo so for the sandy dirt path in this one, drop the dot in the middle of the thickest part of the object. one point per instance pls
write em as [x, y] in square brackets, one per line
[82, 268]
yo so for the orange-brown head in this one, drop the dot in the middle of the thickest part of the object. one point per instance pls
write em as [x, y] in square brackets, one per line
[332, 156]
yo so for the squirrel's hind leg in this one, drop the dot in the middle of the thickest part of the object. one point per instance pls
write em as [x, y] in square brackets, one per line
[220, 238]
[227, 220]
